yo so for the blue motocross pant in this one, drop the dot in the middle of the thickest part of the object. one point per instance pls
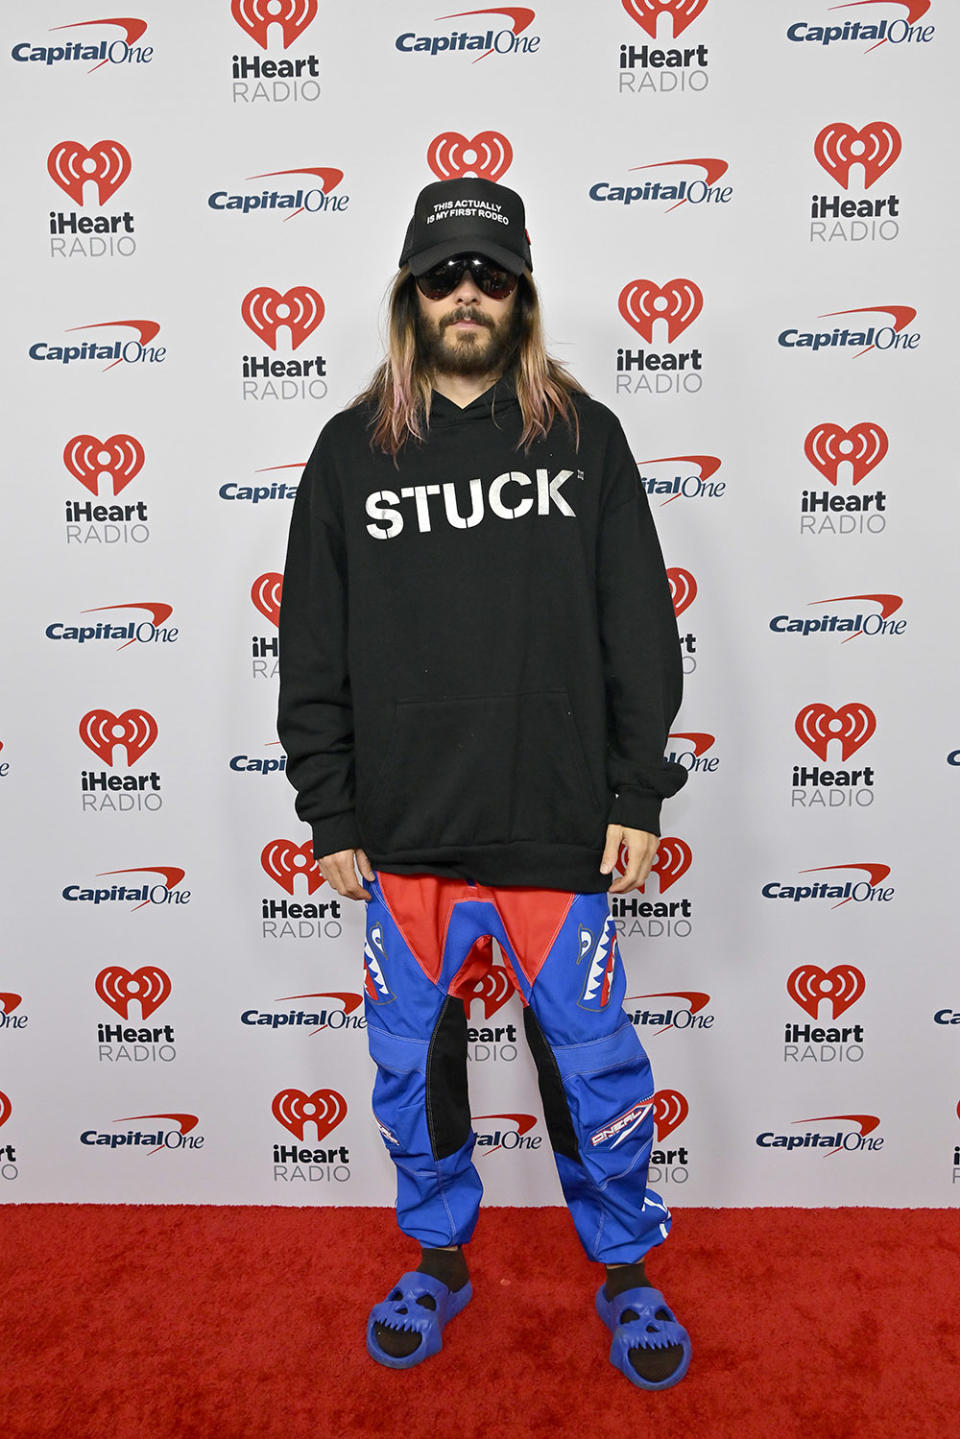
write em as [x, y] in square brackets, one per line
[427, 949]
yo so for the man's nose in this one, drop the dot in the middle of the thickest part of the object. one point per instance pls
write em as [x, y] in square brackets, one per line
[467, 292]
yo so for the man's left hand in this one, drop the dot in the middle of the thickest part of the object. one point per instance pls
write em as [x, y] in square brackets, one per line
[641, 852]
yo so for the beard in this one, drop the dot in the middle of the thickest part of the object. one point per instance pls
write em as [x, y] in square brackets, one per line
[486, 350]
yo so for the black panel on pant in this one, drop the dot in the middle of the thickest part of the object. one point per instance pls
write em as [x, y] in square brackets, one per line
[556, 1111]
[448, 1108]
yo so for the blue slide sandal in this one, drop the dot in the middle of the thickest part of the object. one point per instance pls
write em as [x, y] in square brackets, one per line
[645, 1328]
[417, 1304]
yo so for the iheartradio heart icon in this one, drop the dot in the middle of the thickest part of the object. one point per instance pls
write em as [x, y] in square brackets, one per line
[6, 1108]
[116, 986]
[493, 988]
[283, 860]
[683, 590]
[670, 1109]
[256, 16]
[266, 593]
[295, 1110]
[673, 859]
[135, 730]
[118, 459]
[107, 164]
[682, 13]
[678, 302]
[862, 446]
[842, 985]
[264, 310]
[875, 147]
[852, 724]
[452, 156]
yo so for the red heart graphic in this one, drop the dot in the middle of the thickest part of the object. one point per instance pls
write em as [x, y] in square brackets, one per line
[674, 857]
[681, 12]
[679, 302]
[863, 446]
[670, 1109]
[89, 460]
[283, 860]
[255, 16]
[683, 590]
[851, 724]
[842, 985]
[116, 986]
[875, 147]
[452, 156]
[107, 164]
[135, 730]
[264, 310]
[6, 1108]
[266, 593]
[324, 1107]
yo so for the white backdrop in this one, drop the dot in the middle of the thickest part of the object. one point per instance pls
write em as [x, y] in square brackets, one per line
[813, 1057]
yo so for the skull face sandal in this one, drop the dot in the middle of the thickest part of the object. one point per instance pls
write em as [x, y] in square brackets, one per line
[649, 1346]
[410, 1321]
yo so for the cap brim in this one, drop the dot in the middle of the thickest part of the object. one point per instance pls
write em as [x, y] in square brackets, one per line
[465, 245]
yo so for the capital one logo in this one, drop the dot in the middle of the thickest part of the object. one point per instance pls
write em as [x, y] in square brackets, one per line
[863, 446]
[670, 1109]
[324, 1108]
[852, 724]
[839, 147]
[681, 12]
[265, 310]
[256, 17]
[283, 860]
[93, 462]
[134, 730]
[452, 156]
[148, 985]
[683, 590]
[106, 164]
[842, 986]
[508, 1138]
[266, 594]
[677, 303]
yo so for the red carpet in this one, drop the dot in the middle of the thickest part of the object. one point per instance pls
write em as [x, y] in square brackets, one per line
[160, 1322]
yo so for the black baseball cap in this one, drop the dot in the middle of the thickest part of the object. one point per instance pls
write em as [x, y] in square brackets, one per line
[454, 217]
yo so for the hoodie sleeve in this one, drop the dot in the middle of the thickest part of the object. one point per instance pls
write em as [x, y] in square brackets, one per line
[641, 647]
[315, 714]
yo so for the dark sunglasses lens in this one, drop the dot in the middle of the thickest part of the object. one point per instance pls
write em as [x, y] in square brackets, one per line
[442, 280]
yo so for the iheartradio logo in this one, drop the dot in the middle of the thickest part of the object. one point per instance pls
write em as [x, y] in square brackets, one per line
[106, 164]
[134, 730]
[863, 446]
[670, 1109]
[673, 859]
[678, 303]
[6, 1108]
[452, 156]
[283, 860]
[842, 986]
[256, 17]
[93, 462]
[295, 1109]
[266, 594]
[148, 985]
[493, 989]
[683, 590]
[852, 724]
[265, 310]
[681, 13]
[839, 147]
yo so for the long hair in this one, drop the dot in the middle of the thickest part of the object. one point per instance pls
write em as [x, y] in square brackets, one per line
[401, 388]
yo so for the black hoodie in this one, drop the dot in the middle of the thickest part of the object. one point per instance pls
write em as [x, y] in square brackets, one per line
[479, 659]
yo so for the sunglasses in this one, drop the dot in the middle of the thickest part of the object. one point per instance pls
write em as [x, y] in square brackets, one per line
[492, 279]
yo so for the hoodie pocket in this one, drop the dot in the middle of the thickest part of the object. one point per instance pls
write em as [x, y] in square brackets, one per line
[482, 770]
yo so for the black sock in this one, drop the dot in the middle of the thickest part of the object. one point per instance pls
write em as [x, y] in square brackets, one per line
[625, 1276]
[447, 1265]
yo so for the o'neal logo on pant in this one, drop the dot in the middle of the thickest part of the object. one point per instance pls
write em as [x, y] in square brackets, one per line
[624, 1125]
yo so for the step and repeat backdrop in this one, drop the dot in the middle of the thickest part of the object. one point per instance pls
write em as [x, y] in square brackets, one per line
[742, 226]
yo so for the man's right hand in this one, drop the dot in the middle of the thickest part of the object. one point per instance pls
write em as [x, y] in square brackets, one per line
[338, 870]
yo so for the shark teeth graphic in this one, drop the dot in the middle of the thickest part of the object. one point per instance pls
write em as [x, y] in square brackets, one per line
[596, 990]
[377, 986]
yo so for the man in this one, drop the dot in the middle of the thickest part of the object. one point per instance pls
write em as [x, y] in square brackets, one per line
[479, 667]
